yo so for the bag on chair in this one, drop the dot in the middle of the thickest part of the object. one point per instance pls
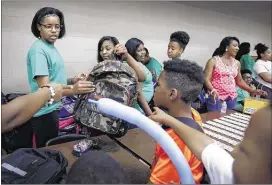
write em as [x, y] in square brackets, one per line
[114, 80]
[67, 108]
[33, 166]
[66, 113]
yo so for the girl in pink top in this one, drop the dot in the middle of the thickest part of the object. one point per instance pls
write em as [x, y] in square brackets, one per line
[222, 75]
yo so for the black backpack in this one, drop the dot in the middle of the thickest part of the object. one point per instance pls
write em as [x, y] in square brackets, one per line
[33, 166]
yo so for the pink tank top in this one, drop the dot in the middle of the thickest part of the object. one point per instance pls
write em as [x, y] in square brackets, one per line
[223, 79]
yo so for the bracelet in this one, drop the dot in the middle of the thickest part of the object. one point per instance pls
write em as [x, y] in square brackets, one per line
[52, 94]
[70, 81]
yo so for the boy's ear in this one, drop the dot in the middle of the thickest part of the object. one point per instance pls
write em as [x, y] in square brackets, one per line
[173, 94]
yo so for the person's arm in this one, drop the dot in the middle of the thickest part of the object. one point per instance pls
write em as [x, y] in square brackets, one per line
[121, 49]
[261, 70]
[266, 77]
[40, 73]
[208, 73]
[81, 87]
[23, 108]
[80, 76]
[208, 76]
[142, 102]
[242, 84]
[137, 68]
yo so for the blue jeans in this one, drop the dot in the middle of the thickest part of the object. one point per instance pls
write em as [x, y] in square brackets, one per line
[211, 106]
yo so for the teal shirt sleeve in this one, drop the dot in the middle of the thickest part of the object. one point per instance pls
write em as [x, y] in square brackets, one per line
[155, 68]
[39, 65]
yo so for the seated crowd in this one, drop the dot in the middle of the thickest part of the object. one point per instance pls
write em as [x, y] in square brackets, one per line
[171, 94]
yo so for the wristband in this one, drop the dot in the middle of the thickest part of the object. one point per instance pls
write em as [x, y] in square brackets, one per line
[52, 94]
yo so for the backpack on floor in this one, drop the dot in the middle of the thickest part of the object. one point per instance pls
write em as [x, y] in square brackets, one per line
[115, 80]
[33, 166]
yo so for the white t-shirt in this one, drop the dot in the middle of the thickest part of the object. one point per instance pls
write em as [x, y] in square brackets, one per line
[261, 67]
[218, 164]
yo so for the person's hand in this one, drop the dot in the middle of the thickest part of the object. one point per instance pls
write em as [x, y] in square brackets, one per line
[259, 92]
[58, 89]
[80, 76]
[159, 115]
[121, 50]
[82, 87]
[252, 86]
[215, 96]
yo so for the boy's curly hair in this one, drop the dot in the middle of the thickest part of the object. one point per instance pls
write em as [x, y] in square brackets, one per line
[185, 76]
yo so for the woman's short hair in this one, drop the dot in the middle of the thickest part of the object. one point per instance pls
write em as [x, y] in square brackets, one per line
[41, 14]
[132, 45]
[114, 40]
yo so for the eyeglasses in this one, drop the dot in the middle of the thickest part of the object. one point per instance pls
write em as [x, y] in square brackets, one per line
[247, 77]
[50, 27]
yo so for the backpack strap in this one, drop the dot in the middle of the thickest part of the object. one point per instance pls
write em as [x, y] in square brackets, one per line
[189, 122]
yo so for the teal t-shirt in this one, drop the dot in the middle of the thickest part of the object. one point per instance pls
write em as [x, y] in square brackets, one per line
[242, 94]
[44, 59]
[247, 62]
[147, 86]
[155, 68]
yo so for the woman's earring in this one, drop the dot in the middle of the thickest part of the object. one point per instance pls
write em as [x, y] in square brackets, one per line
[226, 49]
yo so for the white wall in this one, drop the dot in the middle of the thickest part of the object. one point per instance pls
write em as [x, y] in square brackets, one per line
[87, 22]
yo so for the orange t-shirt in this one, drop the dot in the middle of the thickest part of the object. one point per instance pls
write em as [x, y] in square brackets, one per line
[163, 170]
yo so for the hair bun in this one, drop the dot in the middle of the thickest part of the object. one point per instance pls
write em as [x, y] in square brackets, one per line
[181, 36]
[259, 46]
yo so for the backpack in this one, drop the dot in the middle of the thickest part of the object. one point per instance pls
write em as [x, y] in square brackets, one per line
[67, 107]
[33, 166]
[115, 80]
[66, 115]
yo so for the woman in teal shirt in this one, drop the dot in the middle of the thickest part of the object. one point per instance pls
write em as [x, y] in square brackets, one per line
[245, 59]
[45, 65]
[136, 49]
[152, 65]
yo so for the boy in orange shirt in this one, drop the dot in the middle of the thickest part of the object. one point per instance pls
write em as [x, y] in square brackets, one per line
[178, 86]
